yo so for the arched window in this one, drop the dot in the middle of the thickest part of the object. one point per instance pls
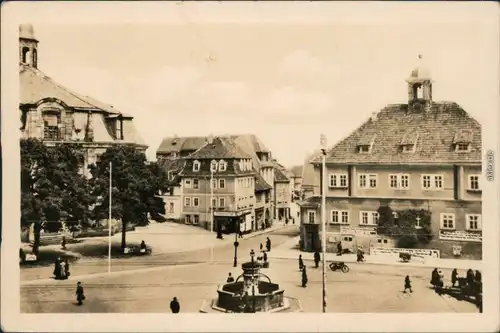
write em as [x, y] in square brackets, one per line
[35, 60]
[25, 53]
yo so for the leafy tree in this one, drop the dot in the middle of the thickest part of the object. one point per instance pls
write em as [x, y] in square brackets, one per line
[53, 188]
[404, 228]
[135, 184]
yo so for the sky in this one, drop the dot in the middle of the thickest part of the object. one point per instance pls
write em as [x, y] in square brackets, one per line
[285, 82]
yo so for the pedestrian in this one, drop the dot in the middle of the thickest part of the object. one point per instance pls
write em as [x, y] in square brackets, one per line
[66, 268]
[261, 247]
[230, 278]
[63, 243]
[268, 244]
[80, 296]
[317, 258]
[304, 277]
[57, 269]
[434, 278]
[470, 277]
[175, 307]
[407, 284]
[301, 262]
[63, 270]
[477, 276]
[265, 256]
[240, 234]
[360, 254]
[339, 248]
[454, 277]
[286, 220]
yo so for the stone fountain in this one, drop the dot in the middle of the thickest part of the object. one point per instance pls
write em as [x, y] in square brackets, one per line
[251, 292]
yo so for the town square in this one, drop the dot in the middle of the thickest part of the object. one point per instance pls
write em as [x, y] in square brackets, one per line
[282, 175]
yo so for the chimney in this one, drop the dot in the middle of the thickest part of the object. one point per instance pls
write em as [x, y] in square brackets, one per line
[374, 116]
[210, 139]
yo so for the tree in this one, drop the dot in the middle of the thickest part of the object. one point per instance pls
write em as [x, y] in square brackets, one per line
[404, 228]
[135, 184]
[52, 186]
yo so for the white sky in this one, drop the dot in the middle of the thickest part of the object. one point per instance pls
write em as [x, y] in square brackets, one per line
[285, 82]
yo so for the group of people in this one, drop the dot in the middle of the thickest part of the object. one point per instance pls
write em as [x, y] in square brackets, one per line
[471, 278]
[61, 269]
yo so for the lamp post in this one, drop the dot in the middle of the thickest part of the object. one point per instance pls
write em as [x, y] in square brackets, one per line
[235, 262]
[323, 214]
[252, 255]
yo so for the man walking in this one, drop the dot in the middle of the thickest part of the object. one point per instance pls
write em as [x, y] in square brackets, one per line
[304, 277]
[175, 307]
[268, 244]
[339, 248]
[80, 296]
[317, 258]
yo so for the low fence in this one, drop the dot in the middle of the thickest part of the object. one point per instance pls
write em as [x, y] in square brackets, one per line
[397, 251]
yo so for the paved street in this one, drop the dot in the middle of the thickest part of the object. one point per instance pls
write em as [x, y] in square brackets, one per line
[222, 253]
[366, 288]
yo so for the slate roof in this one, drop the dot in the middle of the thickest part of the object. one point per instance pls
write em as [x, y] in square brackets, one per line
[260, 184]
[279, 175]
[177, 144]
[437, 129]
[36, 85]
[220, 148]
[253, 141]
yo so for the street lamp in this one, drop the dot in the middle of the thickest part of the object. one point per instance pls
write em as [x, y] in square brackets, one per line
[235, 262]
[323, 214]
[252, 255]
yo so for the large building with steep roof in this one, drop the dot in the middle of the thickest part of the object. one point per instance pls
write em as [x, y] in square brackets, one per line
[419, 155]
[220, 187]
[55, 114]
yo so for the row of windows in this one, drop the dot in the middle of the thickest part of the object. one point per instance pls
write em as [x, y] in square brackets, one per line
[398, 181]
[195, 219]
[214, 166]
[246, 182]
[410, 148]
[447, 220]
[195, 202]
[195, 183]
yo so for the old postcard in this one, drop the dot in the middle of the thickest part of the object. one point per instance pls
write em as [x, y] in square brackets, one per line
[182, 166]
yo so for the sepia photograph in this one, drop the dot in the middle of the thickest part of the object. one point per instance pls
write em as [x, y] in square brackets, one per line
[209, 164]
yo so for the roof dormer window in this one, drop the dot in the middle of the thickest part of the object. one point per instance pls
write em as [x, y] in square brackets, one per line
[196, 166]
[213, 166]
[365, 144]
[463, 140]
[222, 165]
[409, 142]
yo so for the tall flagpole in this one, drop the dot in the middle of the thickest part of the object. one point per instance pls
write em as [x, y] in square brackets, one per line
[109, 216]
[323, 214]
[211, 210]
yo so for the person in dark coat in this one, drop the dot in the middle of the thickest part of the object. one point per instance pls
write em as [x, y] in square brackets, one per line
[454, 277]
[470, 277]
[317, 258]
[63, 243]
[66, 268]
[407, 284]
[268, 244]
[261, 247]
[230, 278]
[57, 269]
[360, 257]
[80, 296]
[301, 262]
[477, 276]
[264, 256]
[304, 277]
[339, 248]
[434, 277]
[240, 234]
[175, 307]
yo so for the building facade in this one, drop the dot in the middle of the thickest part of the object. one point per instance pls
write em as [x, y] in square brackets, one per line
[283, 193]
[420, 155]
[55, 114]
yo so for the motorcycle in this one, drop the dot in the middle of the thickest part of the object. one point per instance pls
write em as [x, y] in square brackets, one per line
[336, 265]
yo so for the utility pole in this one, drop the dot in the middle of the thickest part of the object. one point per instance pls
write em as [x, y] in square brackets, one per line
[211, 210]
[323, 214]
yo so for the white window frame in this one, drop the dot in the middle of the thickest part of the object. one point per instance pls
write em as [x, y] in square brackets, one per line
[196, 202]
[196, 219]
[468, 221]
[222, 183]
[399, 177]
[222, 165]
[447, 217]
[336, 180]
[342, 216]
[309, 214]
[470, 177]
[187, 183]
[188, 218]
[213, 183]
[196, 183]
[222, 202]
[368, 177]
[187, 202]
[196, 166]
[213, 166]
[214, 202]
[433, 178]
[370, 217]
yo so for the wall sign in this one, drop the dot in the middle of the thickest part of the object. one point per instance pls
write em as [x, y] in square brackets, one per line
[397, 251]
[357, 231]
[461, 235]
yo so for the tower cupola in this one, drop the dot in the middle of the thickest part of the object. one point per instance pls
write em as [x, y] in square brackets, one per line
[419, 88]
[28, 46]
